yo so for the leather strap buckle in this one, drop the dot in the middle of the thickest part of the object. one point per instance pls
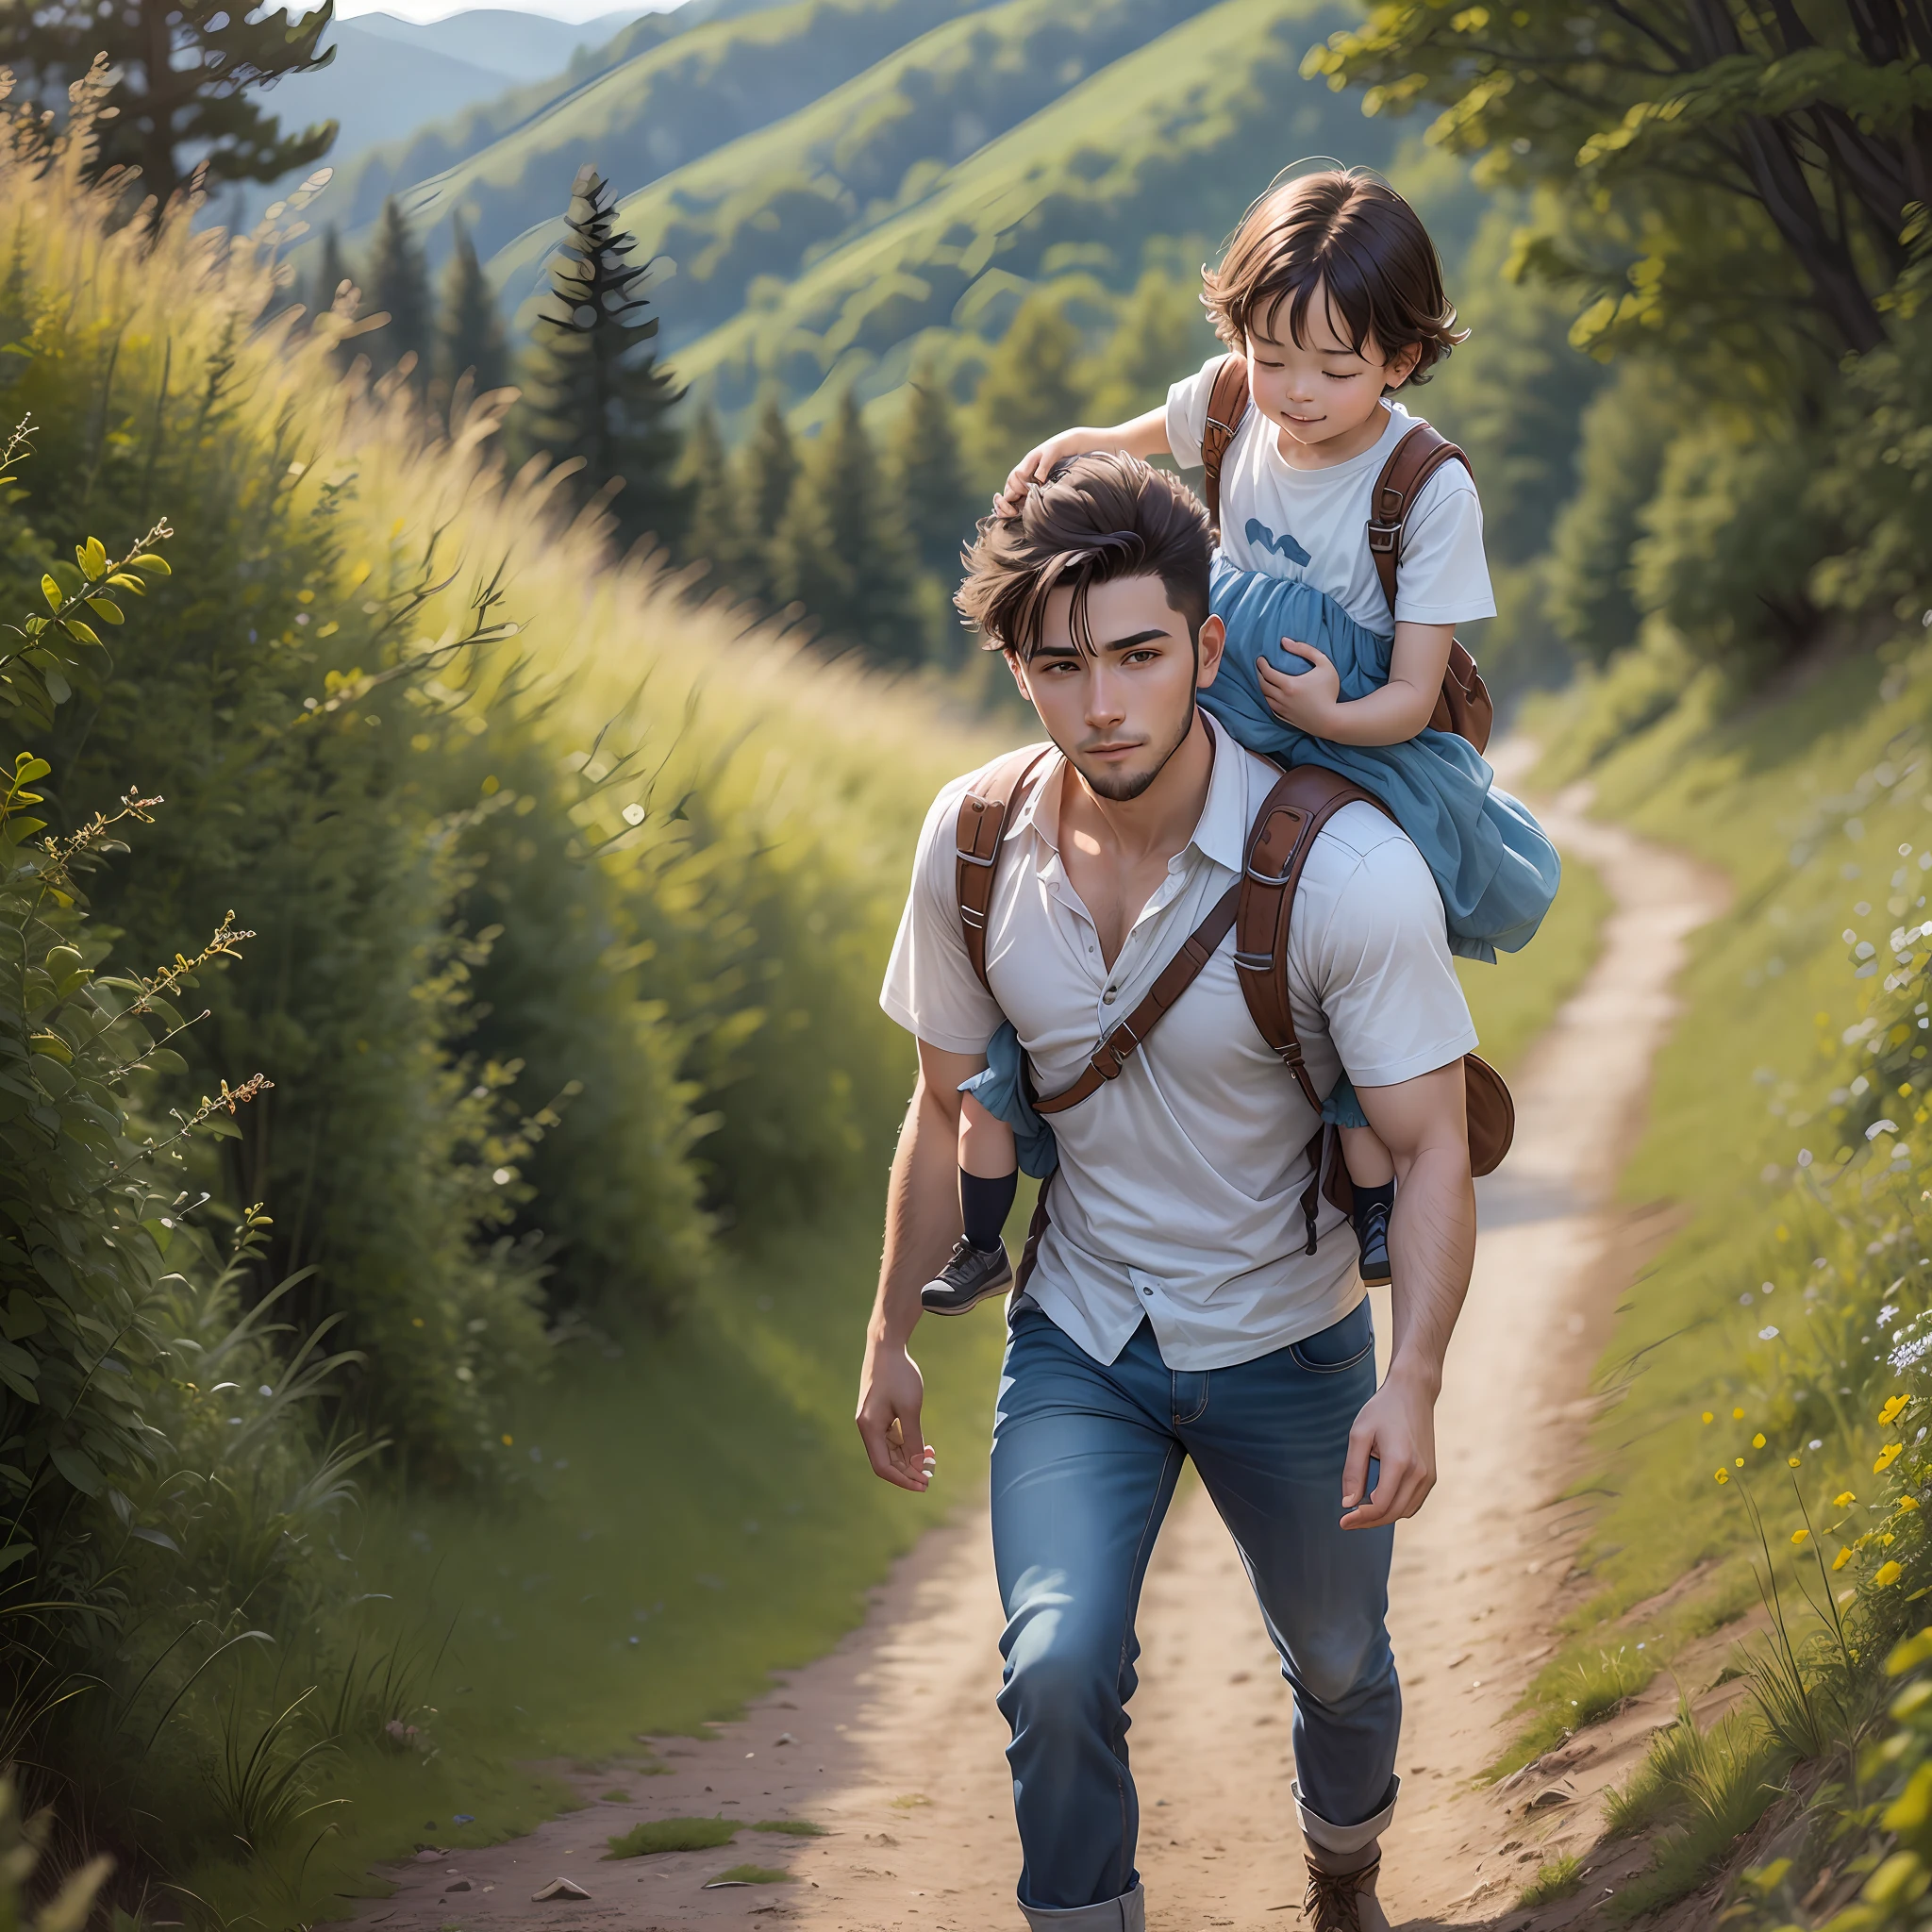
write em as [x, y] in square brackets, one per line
[1253, 962]
[1108, 1058]
[967, 858]
[1382, 538]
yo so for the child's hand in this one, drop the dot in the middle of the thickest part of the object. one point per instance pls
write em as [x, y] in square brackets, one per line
[1037, 465]
[1309, 699]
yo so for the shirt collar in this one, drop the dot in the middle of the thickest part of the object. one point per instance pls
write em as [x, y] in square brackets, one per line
[1220, 834]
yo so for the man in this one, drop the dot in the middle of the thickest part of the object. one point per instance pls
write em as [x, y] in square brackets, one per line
[1169, 1308]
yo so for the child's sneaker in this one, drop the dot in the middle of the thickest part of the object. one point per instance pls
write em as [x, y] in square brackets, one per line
[1371, 1217]
[967, 1279]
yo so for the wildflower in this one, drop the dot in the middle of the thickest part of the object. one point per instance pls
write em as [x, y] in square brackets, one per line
[509, 1441]
[1893, 1410]
[1844, 1556]
[1736, 1415]
[1843, 1500]
[1886, 1456]
[1887, 1575]
[1792, 1461]
[1758, 1441]
[1798, 1536]
[1908, 1502]
[1723, 1476]
[1740, 1462]
[1708, 1417]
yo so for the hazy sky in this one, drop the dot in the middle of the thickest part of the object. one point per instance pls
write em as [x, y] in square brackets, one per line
[439, 10]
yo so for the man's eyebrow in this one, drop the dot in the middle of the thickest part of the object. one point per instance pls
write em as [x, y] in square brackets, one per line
[1140, 636]
[1073, 650]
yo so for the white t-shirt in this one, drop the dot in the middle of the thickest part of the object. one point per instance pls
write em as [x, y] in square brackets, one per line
[1178, 1192]
[1313, 524]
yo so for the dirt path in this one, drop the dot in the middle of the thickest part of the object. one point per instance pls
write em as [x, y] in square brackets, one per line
[893, 1744]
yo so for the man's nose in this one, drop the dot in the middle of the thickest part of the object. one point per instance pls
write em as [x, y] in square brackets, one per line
[1106, 698]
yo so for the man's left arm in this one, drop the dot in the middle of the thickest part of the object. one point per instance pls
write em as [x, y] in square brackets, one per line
[1431, 1251]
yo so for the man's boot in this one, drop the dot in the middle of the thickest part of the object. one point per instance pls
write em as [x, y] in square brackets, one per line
[1343, 1900]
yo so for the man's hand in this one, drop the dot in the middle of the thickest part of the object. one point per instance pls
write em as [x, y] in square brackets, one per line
[1397, 1427]
[1307, 700]
[891, 1392]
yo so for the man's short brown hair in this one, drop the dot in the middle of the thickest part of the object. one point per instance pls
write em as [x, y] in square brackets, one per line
[1098, 517]
[1356, 239]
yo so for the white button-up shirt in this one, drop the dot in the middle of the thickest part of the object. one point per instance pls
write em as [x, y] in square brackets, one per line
[1177, 1197]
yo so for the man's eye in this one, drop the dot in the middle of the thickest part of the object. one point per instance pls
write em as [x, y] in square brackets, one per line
[1140, 657]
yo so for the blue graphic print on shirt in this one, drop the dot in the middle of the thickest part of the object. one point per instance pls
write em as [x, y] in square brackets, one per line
[1264, 538]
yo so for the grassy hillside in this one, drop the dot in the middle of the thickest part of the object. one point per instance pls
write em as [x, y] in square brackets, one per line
[1153, 155]
[640, 114]
[769, 202]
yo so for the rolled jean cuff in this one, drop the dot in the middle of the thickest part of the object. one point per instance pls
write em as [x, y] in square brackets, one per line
[1343, 1840]
[1127, 1913]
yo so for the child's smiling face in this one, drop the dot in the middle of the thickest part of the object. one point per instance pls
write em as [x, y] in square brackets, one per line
[1321, 395]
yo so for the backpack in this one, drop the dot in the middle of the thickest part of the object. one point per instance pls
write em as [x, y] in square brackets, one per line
[1465, 707]
[1257, 908]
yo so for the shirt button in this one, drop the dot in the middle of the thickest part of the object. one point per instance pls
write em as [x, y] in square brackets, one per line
[1147, 1291]
[1107, 998]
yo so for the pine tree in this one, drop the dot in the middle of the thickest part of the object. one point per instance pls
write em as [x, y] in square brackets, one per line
[1162, 335]
[842, 548]
[398, 288]
[184, 73]
[716, 533]
[767, 469]
[1030, 390]
[930, 473]
[470, 334]
[596, 388]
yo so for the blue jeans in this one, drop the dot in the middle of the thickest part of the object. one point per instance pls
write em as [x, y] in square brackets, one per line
[1085, 1459]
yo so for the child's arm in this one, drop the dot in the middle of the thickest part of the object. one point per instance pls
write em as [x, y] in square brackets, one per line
[1311, 700]
[1145, 436]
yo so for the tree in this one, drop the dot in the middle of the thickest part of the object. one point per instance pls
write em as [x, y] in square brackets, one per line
[1031, 388]
[716, 533]
[1162, 335]
[769, 468]
[1719, 167]
[399, 288]
[596, 390]
[183, 77]
[470, 334]
[930, 475]
[841, 549]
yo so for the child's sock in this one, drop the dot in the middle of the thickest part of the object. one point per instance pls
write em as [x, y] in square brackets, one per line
[985, 1205]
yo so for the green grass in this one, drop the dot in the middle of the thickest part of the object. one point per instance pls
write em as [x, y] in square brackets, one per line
[753, 1874]
[705, 1495]
[793, 1827]
[1515, 1000]
[1554, 1879]
[672, 1835]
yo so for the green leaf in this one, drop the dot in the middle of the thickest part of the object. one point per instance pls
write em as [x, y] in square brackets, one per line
[15, 1552]
[164, 1059]
[80, 1469]
[83, 632]
[27, 768]
[14, 830]
[107, 610]
[121, 581]
[148, 561]
[93, 560]
[51, 592]
[24, 1316]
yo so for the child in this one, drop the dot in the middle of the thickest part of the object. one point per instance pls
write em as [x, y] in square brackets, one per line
[1332, 293]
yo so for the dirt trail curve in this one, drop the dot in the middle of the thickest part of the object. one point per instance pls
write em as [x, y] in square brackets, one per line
[893, 1742]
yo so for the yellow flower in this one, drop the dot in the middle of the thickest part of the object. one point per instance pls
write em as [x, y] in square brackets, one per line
[1736, 1415]
[1708, 1417]
[1792, 1461]
[1798, 1536]
[1723, 1476]
[1844, 1556]
[1893, 1410]
[1843, 1500]
[1758, 1441]
[1740, 1462]
[509, 1441]
[1886, 1456]
[1908, 1502]
[1888, 1574]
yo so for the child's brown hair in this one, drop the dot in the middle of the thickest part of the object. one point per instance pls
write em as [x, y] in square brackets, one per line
[1356, 239]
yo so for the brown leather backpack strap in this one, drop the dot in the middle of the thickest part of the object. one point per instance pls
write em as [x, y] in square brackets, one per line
[1283, 836]
[1411, 464]
[984, 814]
[1228, 406]
[1125, 1039]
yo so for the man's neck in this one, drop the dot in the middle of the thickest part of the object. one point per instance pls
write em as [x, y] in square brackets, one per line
[1156, 824]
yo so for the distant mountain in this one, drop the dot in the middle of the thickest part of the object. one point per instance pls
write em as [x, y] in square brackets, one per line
[517, 46]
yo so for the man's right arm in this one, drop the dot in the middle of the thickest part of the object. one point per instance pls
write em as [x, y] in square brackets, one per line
[922, 1223]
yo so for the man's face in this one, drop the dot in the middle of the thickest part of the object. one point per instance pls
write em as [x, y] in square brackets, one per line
[1317, 391]
[1120, 710]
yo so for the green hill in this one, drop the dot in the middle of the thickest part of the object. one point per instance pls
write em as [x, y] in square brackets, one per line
[1143, 164]
[648, 108]
[772, 201]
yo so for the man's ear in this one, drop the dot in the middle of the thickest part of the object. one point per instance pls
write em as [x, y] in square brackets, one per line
[1213, 641]
[1018, 671]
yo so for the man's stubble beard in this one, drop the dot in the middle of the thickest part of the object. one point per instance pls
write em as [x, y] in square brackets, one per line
[1123, 789]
